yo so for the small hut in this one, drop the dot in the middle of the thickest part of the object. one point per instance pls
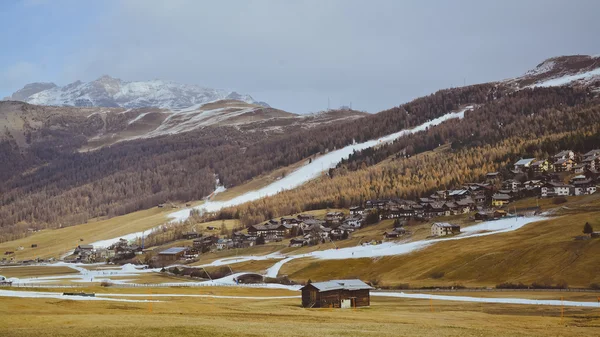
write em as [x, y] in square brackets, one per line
[336, 294]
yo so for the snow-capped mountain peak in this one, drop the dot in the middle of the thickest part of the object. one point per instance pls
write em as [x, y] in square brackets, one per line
[108, 91]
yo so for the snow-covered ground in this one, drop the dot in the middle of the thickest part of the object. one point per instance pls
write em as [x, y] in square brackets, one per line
[314, 169]
[60, 296]
[555, 82]
[488, 299]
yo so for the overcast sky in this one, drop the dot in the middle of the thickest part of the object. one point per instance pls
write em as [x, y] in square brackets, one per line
[292, 54]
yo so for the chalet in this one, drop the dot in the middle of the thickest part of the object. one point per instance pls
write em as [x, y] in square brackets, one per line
[83, 248]
[376, 204]
[500, 199]
[444, 228]
[336, 294]
[397, 232]
[500, 214]
[458, 194]
[563, 165]
[579, 168]
[304, 217]
[435, 209]
[289, 221]
[270, 230]
[465, 205]
[511, 184]
[592, 154]
[172, 254]
[533, 183]
[334, 217]
[191, 235]
[451, 207]
[540, 166]
[481, 216]
[492, 177]
[224, 244]
[204, 244]
[595, 235]
[479, 199]
[584, 187]
[353, 221]
[566, 154]
[553, 189]
[243, 240]
[357, 210]
[590, 163]
[523, 164]
[298, 242]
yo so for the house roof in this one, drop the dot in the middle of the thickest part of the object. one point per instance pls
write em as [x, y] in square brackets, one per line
[492, 174]
[562, 161]
[563, 153]
[525, 161]
[500, 196]
[173, 251]
[458, 192]
[592, 153]
[445, 225]
[353, 284]
[86, 246]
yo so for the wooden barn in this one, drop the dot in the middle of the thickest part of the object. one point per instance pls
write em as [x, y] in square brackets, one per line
[336, 294]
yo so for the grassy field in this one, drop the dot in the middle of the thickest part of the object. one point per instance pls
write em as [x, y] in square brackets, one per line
[184, 316]
[55, 242]
[543, 252]
[35, 271]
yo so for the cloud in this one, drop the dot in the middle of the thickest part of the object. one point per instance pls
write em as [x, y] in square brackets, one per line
[296, 54]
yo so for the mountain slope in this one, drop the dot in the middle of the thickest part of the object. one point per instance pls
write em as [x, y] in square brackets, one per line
[107, 91]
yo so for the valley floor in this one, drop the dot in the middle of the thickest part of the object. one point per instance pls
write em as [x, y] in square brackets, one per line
[198, 316]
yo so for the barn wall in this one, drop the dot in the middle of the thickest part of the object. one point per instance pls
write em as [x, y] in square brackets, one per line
[330, 299]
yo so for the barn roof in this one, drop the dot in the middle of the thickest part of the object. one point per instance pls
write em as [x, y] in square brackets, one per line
[172, 251]
[354, 284]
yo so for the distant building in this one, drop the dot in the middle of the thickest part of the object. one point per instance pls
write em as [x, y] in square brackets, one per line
[172, 254]
[523, 164]
[336, 294]
[500, 199]
[444, 228]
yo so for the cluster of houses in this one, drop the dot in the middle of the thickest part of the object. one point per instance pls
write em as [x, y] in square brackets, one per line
[529, 178]
[121, 250]
[305, 229]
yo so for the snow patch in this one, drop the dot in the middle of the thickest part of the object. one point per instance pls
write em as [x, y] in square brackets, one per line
[488, 299]
[559, 81]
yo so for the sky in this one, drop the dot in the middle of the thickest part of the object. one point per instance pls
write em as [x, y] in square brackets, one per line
[294, 55]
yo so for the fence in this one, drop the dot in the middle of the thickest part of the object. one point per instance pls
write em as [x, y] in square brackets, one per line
[144, 285]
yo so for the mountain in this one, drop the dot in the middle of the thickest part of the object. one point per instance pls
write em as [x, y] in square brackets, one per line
[112, 92]
[146, 156]
[562, 70]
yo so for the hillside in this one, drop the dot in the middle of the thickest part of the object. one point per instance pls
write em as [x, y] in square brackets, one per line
[157, 156]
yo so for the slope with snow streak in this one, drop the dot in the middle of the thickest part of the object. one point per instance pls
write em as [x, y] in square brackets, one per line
[392, 248]
[488, 299]
[312, 170]
[559, 81]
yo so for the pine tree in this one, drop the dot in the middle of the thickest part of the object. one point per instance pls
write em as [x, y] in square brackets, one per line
[587, 228]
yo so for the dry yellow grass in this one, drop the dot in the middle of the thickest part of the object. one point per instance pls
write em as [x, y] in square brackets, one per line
[539, 252]
[55, 242]
[186, 316]
[35, 271]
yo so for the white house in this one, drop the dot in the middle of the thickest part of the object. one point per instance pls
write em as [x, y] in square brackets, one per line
[444, 228]
[555, 189]
[523, 164]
